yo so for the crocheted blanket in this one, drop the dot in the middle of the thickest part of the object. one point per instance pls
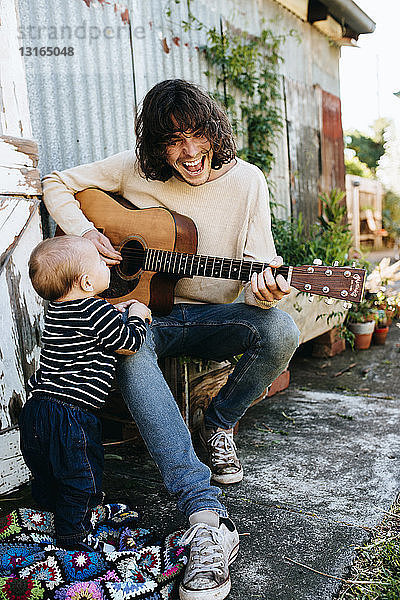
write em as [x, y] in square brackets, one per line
[32, 567]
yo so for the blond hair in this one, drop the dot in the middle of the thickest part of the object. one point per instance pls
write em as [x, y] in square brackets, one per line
[56, 265]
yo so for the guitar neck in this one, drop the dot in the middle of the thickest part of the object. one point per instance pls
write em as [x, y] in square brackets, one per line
[342, 283]
[189, 265]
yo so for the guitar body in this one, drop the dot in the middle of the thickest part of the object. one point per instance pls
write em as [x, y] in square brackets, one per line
[131, 230]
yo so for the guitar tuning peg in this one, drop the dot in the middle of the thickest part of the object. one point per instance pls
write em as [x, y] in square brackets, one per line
[329, 301]
[310, 298]
[317, 261]
[354, 264]
[335, 263]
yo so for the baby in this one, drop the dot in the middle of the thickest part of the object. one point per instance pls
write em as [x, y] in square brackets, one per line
[60, 431]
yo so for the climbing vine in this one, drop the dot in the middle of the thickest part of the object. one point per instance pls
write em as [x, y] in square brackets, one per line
[248, 64]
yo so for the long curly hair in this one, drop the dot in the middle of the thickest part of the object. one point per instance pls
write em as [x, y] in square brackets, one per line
[177, 105]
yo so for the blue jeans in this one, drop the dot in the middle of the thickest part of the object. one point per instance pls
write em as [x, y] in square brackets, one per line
[62, 447]
[266, 339]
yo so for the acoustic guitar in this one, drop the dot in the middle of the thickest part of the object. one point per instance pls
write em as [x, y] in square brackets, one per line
[159, 247]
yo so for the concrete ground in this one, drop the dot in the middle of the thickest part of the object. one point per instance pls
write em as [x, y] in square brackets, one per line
[321, 468]
[321, 464]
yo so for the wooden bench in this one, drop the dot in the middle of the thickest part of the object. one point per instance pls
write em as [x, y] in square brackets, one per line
[370, 229]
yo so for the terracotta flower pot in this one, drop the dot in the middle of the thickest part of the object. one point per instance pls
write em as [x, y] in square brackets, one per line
[380, 335]
[390, 315]
[363, 334]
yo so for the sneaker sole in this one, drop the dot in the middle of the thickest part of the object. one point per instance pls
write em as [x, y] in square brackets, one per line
[218, 593]
[228, 478]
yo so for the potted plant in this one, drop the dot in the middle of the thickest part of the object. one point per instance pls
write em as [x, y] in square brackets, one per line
[382, 303]
[381, 328]
[361, 322]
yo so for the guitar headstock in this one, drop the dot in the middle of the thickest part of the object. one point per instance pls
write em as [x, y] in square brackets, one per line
[342, 283]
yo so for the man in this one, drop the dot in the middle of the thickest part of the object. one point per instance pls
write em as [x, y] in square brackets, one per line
[186, 161]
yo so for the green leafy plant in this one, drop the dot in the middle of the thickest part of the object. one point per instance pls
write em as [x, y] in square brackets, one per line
[375, 573]
[328, 240]
[361, 312]
[354, 166]
[248, 64]
[391, 215]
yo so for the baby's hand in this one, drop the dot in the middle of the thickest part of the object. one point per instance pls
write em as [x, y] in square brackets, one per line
[138, 309]
[122, 306]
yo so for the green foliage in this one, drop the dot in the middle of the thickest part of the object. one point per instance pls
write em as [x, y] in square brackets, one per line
[391, 214]
[291, 241]
[329, 239]
[250, 65]
[354, 166]
[361, 312]
[377, 566]
[368, 149]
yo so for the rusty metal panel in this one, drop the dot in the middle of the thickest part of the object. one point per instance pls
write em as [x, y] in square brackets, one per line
[332, 144]
[168, 51]
[303, 146]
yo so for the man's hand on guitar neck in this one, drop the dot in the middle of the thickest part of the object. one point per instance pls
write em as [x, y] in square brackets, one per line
[264, 285]
[104, 246]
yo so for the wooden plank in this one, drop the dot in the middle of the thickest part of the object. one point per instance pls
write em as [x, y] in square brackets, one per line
[303, 147]
[14, 116]
[305, 313]
[18, 167]
[15, 215]
[13, 471]
[21, 323]
[297, 7]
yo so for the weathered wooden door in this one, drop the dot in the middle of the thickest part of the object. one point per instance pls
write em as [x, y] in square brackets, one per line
[21, 310]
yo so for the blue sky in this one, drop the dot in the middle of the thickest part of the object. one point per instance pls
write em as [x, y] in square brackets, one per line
[370, 74]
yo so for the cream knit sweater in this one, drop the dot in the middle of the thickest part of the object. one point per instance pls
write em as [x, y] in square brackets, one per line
[231, 213]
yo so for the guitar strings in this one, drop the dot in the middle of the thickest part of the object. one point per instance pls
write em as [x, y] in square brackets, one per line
[300, 269]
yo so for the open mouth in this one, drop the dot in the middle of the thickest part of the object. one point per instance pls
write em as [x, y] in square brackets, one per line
[194, 167]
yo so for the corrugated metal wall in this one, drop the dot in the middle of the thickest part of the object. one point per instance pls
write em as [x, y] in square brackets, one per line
[82, 106]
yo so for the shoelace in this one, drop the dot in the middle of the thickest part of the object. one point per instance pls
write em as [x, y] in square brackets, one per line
[206, 550]
[224, 448]
[93, 542]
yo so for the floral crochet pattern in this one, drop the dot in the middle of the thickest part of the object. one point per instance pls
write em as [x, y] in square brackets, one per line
[33, 568]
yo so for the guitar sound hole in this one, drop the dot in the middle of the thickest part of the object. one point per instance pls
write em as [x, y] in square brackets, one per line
[133, 258]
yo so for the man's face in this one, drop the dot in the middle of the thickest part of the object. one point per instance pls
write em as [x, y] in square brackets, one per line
[190, 154]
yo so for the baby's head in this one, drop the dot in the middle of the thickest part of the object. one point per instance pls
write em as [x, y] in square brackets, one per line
[67, 267]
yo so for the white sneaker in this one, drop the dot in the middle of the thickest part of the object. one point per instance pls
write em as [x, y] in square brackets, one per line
[214, 545]
[222, 455]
